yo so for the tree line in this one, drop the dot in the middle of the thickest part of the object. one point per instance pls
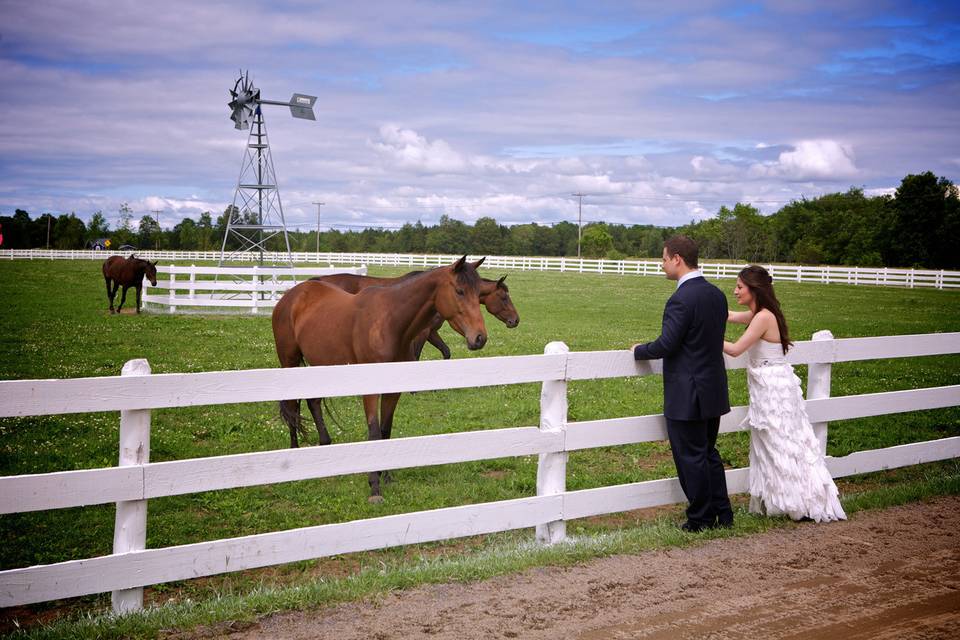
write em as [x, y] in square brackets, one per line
[915, 227]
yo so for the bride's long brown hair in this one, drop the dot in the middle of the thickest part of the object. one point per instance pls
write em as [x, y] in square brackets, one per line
[760, 283]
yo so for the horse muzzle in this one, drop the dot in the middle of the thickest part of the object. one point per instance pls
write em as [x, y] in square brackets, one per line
[477, 342]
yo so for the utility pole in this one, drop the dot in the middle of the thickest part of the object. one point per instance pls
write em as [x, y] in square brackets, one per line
[319, 204]
[579, 219]
[49, 216]
[159, 228]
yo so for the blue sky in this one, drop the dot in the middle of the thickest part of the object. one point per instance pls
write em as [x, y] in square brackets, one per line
[660, 112]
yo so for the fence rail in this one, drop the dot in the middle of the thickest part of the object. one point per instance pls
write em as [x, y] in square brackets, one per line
[877, 276]
[136, 392]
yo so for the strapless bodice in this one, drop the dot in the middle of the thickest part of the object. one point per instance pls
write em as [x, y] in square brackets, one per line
[764, 353]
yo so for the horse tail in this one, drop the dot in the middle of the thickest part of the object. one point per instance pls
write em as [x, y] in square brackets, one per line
[333, 418]
[290, 412]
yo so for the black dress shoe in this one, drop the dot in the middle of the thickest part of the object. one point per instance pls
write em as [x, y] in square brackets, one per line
[692, 527]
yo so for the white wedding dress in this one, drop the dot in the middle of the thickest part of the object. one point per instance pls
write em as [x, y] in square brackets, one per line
[787, 471]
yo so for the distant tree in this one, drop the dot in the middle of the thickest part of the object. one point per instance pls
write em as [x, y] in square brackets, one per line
[486, 237]
[450, 236]
[521, 241]
[924, 223]
[125, 217]
[18, 231]
[147, 232]
[597, 241]
[547, 241]
[566, 234]
[98, 227]
[412, 238]
[205, 238]
[68, 232]
[186, 235]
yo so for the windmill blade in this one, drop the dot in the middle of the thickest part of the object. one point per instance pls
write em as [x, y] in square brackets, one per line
[243, 106]
[301, 106]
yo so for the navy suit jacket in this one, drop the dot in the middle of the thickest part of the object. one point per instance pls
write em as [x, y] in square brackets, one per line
[691, 345]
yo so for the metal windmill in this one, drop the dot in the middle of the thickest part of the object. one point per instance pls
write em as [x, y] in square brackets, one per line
[256, 214]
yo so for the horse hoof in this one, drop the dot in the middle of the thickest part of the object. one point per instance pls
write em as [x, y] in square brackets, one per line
[375, 499]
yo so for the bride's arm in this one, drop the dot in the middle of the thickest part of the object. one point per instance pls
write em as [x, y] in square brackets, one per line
[755, 330]
[740, 317]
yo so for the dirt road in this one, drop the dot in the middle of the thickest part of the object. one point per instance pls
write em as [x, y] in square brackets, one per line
[883, 574]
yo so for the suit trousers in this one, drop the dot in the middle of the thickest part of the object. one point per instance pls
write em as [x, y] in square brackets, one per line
[700, 470]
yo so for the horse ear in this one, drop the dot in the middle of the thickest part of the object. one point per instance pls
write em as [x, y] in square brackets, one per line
[476, 265]
[500, 283]
[458, 265]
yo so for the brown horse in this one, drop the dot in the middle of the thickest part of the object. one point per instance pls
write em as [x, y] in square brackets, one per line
[320, 324]
[126, 273]
[494, 295]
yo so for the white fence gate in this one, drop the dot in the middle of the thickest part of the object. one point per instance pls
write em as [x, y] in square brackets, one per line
[252, 288]
[136, 480]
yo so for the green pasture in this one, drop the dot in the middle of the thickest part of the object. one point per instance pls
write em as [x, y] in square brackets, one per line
[54, 324]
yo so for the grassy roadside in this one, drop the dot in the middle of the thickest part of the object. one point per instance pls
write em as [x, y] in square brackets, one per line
[501, 554]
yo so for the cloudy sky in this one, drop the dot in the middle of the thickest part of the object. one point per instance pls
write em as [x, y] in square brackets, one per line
[659, 112]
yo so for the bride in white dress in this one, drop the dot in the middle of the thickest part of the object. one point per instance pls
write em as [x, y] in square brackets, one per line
[787, 471]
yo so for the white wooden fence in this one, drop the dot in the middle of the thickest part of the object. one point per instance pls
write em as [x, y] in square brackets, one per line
[135, 393]
[251, 288]
[879, 276]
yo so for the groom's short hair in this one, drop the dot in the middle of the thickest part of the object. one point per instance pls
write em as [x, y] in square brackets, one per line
[685, 247]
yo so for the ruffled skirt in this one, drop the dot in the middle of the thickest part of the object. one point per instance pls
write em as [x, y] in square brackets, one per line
[787, 471]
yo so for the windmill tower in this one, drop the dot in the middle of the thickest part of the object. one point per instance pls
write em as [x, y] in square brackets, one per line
[256, 215]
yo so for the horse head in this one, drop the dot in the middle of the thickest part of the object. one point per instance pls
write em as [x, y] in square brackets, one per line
[458, 301]
[498, 303]
[151, 272]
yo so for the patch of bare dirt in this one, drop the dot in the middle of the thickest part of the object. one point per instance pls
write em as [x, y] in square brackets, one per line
[883, 574]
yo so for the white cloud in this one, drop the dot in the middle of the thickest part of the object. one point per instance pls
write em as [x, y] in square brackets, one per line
[408, 150]
[811, 159]
[711, 167]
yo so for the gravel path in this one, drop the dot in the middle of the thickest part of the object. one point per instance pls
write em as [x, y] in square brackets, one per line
[883, 574]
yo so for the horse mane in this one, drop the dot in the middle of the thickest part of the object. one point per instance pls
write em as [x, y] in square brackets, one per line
[465, 277]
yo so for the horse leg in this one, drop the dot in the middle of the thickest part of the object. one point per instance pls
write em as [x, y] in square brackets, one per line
[370, 403]
[316, 409]
[123, 298]
[290, 412]
[388, 406]
[110, 294]
[139, 289]
[435, 339]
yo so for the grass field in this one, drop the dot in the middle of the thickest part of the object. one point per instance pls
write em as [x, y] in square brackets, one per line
[54, 324]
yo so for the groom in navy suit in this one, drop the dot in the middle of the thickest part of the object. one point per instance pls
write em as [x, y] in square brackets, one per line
[694, 383]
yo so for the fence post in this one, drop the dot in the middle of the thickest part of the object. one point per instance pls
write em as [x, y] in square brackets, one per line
[130, 526]
[818, 386]
[173, 291]
[256, 290]
[552, 467]
[193, 280]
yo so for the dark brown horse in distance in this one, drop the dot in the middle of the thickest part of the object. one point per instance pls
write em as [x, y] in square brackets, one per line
[494, 295]
[127, 272]
[320, 324]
